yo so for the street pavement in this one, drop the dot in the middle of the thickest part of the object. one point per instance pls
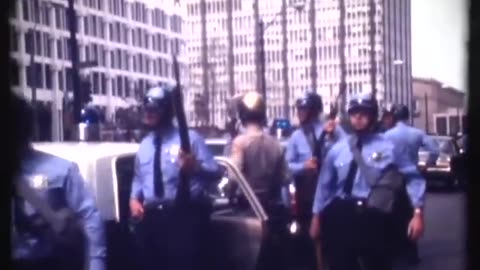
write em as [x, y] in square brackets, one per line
[443, 244]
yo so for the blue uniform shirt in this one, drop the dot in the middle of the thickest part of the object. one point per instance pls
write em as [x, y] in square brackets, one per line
[58, 181]
[298, 150]
[408, 141]
[143, 182]
[332, 176]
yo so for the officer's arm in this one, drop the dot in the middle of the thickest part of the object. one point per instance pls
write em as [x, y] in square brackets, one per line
[416, 184]
[81, 201]
[294, 165]
[208, 168]
[136, 182]
[284, 172]
[324, 193]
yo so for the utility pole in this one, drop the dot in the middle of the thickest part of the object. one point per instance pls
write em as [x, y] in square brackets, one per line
[230, 56]
[261, 45]
[343, 72]
[72, 26]
[426, 113]
[313, 45]
[373, 62]
[256, 20]
[205, 79]
[33, 74]
[286, 86]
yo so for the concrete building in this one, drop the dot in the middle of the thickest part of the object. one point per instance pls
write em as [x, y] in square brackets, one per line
[440, 109]
[392, 48]
[130, 41]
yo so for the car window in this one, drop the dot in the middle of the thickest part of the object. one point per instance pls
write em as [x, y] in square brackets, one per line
[216, 149]
[124, 168]
[445, 146]
[228, 198]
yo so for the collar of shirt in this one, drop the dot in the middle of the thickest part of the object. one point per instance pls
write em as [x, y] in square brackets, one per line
[253, 130]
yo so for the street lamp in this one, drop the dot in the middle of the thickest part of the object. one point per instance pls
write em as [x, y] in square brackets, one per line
[262, 26]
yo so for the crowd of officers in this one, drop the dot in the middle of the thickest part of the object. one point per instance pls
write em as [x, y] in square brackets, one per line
[338, 176]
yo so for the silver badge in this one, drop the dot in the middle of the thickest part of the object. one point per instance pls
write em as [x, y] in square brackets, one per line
[377, 156]
[39, 181]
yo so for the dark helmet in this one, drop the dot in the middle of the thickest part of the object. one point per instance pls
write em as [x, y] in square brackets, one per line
[251, 108]
[402, 113]
[363, 102]
[24, 128]
[310, 101]
[159, 99]
[89, 115]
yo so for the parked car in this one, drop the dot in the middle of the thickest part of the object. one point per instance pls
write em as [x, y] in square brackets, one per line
[239, 230]
[439, 171]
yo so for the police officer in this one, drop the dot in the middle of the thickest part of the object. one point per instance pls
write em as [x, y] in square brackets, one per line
[388, 117]
[164, 241]
[356, 235]
[408, 141]
[261, 159]
[58, 186]
[303, 162]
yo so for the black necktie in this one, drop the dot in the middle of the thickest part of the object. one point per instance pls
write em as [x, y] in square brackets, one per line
[352, 171]
[157, 170]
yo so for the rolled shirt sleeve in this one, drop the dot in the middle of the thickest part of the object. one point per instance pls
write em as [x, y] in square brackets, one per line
[209, 168]
[415, 182]
[136, 191]
[82, 202]
[296, 167]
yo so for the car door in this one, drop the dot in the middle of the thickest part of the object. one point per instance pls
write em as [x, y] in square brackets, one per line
[237, 222]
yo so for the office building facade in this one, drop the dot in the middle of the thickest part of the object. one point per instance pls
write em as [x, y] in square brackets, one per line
[127, 43]
[392, 51]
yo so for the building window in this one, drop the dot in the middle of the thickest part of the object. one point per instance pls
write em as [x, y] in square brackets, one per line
[119, 86]
[441, 125]
[60, 80]
[14, 76]
[48, 77]
[13, 39]
[34, 76]
[48, 44]
[69, 77]
[103, 84]
[26, 10]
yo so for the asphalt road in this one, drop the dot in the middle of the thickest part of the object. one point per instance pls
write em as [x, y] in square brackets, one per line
[443, 244]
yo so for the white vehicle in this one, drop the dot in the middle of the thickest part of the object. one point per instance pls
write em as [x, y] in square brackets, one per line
[237, 229]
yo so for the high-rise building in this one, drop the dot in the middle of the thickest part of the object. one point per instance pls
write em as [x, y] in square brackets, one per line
[392, 35]
[129, 43]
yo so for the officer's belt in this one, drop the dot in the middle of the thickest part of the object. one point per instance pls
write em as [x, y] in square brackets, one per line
[159, 205]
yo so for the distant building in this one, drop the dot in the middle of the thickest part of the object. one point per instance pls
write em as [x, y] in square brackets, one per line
[392, 47]
[130, 41]
[439, 109]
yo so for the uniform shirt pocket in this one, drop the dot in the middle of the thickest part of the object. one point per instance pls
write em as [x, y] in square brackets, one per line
[378, 159]
[146, 164]
[341, 167]
[303, 153]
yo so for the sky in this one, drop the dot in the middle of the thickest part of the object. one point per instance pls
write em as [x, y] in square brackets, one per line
[439, 41]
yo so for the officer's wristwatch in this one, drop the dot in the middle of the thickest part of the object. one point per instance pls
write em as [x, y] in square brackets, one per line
[418, 211]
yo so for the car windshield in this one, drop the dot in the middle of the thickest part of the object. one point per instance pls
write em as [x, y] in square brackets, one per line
[444, 145]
